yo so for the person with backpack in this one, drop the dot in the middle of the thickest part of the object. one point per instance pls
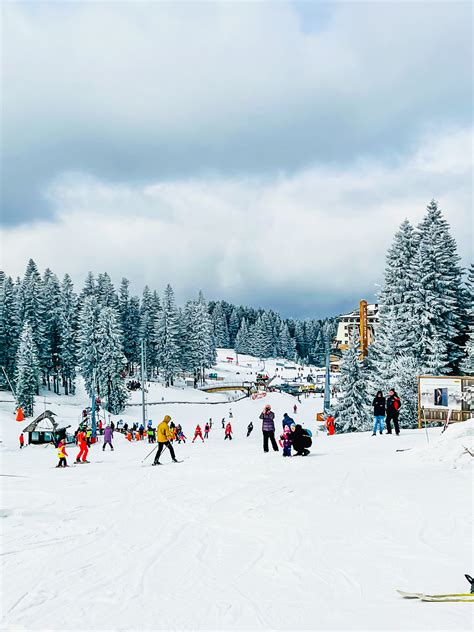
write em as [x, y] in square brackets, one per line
[286, 421]
[379, 412]
[268, 428]
[393, 411]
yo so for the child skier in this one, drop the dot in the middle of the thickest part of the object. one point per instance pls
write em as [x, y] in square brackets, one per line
[207, 428]
[181, 436]
[228, 432]
[285, 441]
[198, 433]
[62, 454]
[249, 429]
[22, 441]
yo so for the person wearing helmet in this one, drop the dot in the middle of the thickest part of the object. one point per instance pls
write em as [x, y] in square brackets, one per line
[163, 437]
[268, 428]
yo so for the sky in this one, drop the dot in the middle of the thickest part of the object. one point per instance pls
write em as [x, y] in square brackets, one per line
[264, 152]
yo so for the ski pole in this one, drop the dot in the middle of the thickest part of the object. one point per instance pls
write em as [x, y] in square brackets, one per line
[150, 453]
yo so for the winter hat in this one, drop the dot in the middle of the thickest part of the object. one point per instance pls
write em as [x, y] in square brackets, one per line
[268, 407]
[167, 418]
[287, 429]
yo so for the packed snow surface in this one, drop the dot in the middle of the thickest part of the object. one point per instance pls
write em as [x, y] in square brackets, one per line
[233, 538]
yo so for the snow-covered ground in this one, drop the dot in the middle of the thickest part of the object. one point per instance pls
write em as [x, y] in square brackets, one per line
[233, 538]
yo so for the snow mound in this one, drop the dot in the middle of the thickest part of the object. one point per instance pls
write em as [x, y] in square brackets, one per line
[449, 447]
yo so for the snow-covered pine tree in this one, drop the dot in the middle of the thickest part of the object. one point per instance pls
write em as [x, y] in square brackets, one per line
[234, 326]
[242, 340]
[286, 343]
[439, 297]
[198, 351]
[395, 331]
[68, 335]
[27, 371]
[31, 308]
[111, 361]
[148, 320]
[129, 309]
[300, 339]
[405, 384]
[319, 352]
[50, 352]
[10, 330]
[88, 337]
[167, 331]
[106, 294]
[351, 411]
[221, 330]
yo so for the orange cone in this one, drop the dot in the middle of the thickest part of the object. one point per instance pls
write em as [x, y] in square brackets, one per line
[19, 415]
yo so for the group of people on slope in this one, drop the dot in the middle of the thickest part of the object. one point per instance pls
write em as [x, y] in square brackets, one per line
[293, 435]
[388, 410]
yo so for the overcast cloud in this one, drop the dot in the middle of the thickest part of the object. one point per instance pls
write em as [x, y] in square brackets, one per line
[265, 152]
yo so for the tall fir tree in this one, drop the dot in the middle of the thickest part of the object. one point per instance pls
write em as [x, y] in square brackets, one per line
[111, 361]
[88, 337]
[167, 331]
[287, 343]
[68, 335]
[234, 326]
[27, 371]
[148, 320]
[439, 297]
[242, 340]
[50, 352]
[351, 410]
[10, 329]
[221, 329]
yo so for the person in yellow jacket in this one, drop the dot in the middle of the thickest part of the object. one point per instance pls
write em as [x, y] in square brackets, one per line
[62, 454]
[163, 437]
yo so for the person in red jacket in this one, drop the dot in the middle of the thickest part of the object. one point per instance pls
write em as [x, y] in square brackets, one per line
[22, 441]
[331, 425]
[228, 432]
[198, 433]
[83, 449]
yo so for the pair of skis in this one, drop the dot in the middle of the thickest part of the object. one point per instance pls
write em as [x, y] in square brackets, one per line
[448, 597]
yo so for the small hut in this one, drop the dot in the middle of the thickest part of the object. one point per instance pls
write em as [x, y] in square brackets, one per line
[45, 429]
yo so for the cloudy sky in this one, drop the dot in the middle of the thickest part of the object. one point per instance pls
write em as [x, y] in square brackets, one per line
[262, 151]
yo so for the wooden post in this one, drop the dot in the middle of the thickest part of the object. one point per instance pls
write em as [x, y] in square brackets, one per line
[363, 334]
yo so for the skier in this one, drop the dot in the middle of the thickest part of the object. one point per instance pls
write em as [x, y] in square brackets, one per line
[180, 434]
[268, 428]
[295, 409]
[22, 441]
[206, 431]
[150, 432]
[331, 425]
[163, 436]
[379, 412]
[231, 416]
[393, 407]
[301, 440]
[83, 447]
[198, 433]
[285, 441]
[62, 454]
[108, 436]
[223, 423]
[210, 423]
[228, 432]
[286, 421]
[249, 429]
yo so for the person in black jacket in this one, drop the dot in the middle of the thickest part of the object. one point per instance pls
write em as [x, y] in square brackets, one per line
[393, 410]
[300, 440]
[379, 412]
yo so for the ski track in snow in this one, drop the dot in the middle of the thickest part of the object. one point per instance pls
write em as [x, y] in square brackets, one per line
[232, 538]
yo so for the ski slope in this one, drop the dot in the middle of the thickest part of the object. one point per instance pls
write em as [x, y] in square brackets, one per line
[233, 538]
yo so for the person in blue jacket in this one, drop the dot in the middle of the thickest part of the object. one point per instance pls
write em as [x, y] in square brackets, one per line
[287, 421]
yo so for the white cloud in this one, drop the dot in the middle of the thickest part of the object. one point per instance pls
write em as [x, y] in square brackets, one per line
[306, 243]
